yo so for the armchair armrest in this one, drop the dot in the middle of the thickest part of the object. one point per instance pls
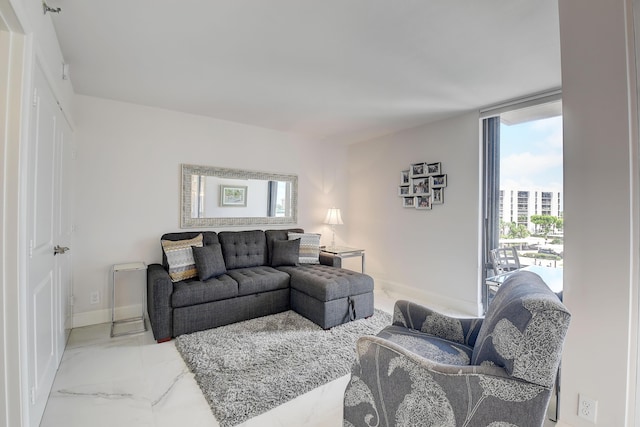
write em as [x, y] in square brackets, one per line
[159, 290]
[390, 385]
[420, 318]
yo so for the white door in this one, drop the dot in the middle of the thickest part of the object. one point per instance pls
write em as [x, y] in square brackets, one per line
[63, 227]
[46, 271]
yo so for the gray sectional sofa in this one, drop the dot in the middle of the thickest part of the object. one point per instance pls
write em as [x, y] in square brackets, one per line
[252, 276]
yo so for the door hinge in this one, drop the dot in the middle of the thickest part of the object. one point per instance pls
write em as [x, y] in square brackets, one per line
[35, 97]
[33, 395]
[30, 248]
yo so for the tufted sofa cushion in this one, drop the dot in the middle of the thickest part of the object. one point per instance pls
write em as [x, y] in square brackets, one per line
[259, 279]
[326, 283]
[243, 249]
[193, 292]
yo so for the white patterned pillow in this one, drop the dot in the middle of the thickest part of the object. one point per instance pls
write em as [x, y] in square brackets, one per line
[180, 257]
[309, 247]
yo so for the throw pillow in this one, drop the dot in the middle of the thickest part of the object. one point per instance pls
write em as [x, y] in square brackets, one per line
[285, 252]
[209, 261]
[309, 247]
[180, 257]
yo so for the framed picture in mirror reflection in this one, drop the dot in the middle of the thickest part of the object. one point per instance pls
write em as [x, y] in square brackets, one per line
[233, 195]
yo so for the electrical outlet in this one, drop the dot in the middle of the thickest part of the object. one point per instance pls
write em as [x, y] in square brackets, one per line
[95, 297]
[587, 408]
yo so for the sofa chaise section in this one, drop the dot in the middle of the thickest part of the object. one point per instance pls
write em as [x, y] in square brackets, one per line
[330, 296]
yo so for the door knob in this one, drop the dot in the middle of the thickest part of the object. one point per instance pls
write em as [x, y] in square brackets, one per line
[59, 250]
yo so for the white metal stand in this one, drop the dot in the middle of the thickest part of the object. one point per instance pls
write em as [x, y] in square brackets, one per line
[343, 252]
[118, 268]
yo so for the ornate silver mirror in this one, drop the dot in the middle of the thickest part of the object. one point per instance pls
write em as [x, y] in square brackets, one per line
[215, 197]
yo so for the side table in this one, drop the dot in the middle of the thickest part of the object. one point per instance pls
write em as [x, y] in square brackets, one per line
[121, 268]
[343, 252]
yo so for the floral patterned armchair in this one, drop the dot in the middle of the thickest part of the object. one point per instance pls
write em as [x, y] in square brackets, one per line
[428, 369]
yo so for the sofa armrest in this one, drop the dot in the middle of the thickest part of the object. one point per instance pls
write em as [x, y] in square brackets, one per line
[390, 383]
[159, 290]
[330, 260]
[424, 319]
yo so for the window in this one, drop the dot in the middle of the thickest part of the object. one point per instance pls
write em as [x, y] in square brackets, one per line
[523, 181]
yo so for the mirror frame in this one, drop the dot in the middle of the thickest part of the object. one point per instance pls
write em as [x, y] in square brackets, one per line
[187, 222]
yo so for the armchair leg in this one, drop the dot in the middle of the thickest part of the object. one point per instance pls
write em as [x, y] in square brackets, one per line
[161, 340]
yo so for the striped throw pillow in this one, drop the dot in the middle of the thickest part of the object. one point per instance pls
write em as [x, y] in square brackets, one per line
[309, 247]
[180, 257]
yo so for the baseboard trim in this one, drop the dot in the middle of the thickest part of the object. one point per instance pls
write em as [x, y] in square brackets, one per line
[96, 317]
[421, 296]
[431, 299]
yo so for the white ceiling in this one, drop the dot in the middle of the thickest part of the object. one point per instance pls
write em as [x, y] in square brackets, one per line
[336, 70]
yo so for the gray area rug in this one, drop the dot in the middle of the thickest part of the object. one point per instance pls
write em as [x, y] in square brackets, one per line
[247, 368]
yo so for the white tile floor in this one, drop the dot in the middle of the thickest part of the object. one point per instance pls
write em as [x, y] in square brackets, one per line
[133, 381]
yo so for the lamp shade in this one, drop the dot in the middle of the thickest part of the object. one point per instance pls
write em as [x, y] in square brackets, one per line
[333, 217]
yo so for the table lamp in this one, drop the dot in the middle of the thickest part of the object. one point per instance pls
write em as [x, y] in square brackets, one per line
[333, 218]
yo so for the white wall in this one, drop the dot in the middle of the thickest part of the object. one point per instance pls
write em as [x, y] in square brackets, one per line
[601, 215]
[128, 183]
[45, 48]
[432, 254]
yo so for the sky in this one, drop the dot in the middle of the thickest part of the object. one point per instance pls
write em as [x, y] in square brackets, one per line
[531, 154]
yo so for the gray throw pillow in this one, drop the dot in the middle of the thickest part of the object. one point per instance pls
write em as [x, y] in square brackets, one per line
[285, 252]
[209, 261]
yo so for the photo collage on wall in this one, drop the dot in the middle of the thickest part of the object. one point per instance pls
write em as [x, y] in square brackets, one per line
[422, 185]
